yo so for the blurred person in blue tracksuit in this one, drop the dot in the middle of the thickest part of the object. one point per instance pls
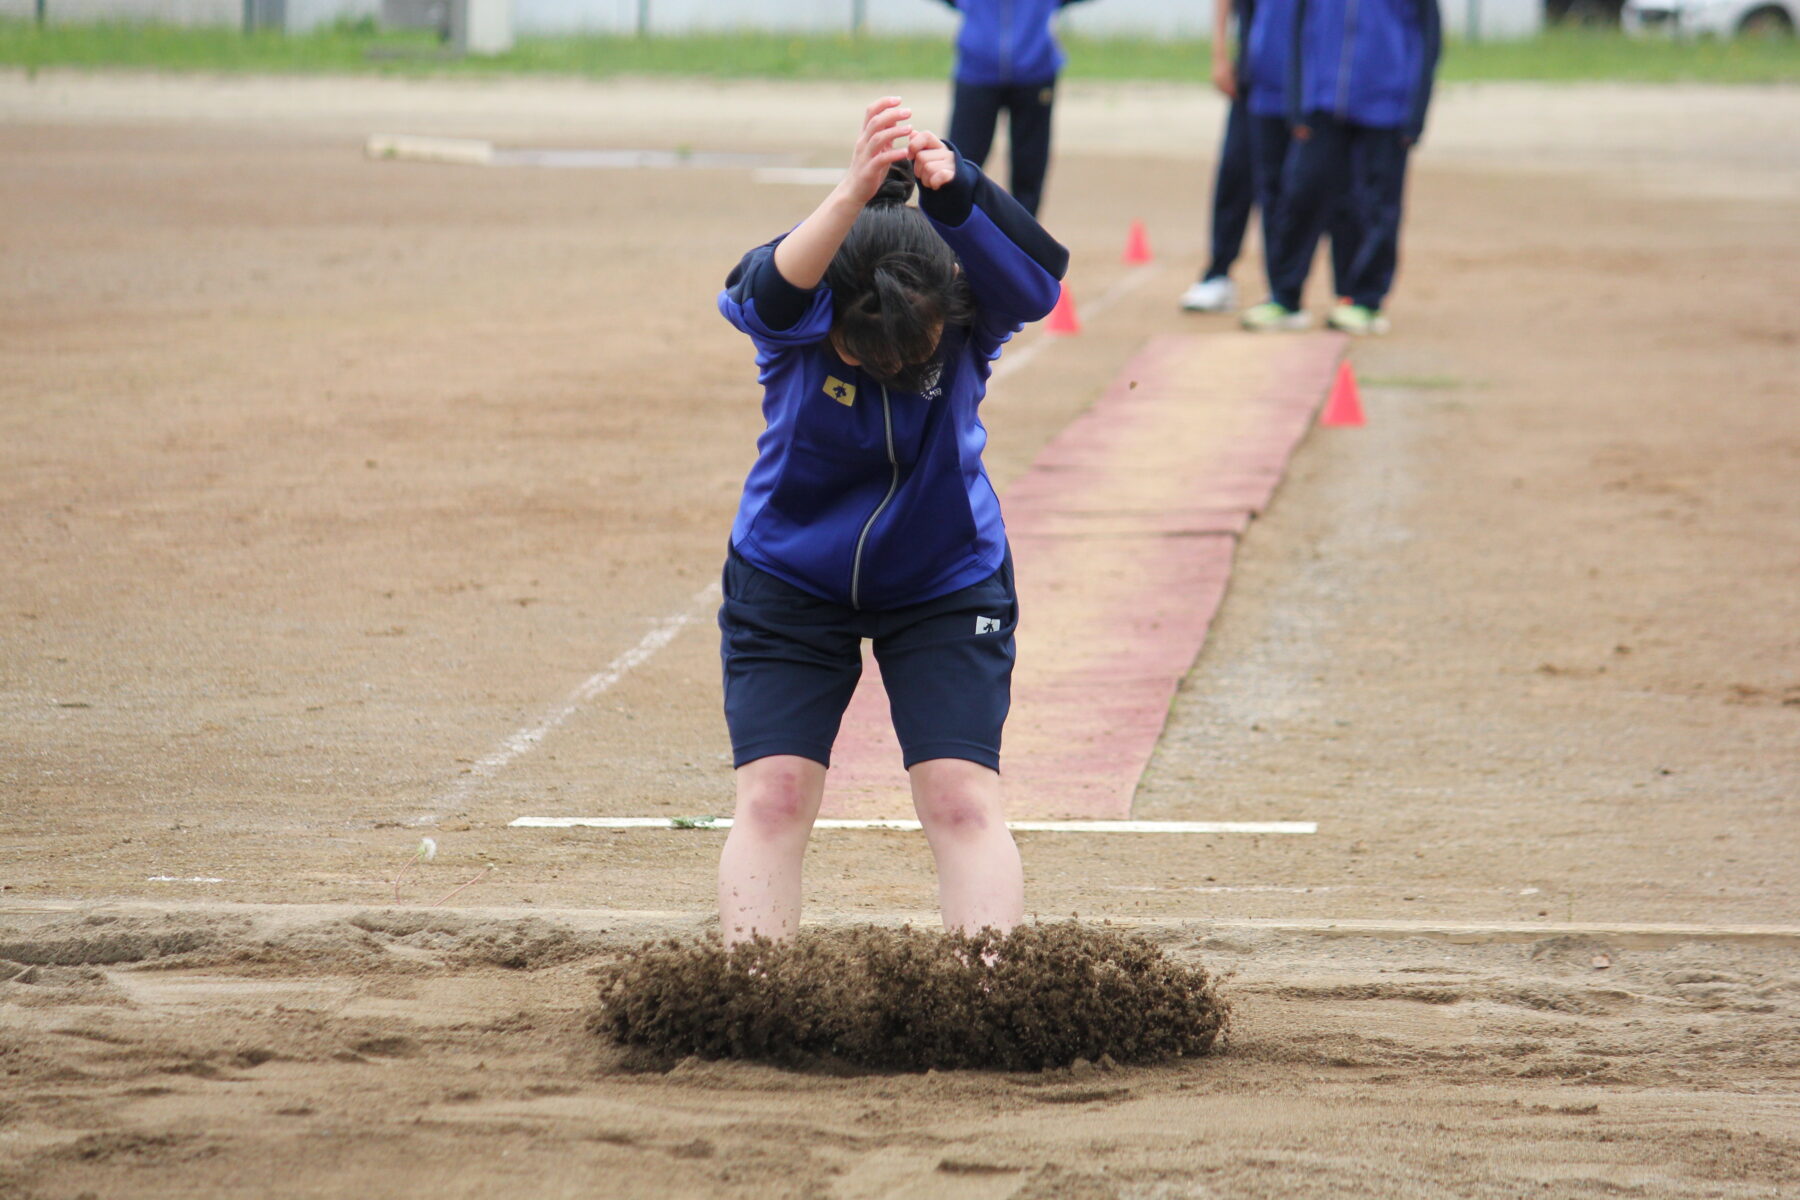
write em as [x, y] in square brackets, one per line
[1353, 79]
[1262, 107]
[1007, 57]
[1257, 133]
[1234, 184]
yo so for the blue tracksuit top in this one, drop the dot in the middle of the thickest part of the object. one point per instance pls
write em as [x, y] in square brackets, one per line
[1268, 47]
[867, 496]
[1366, 62]
[1006, 42]
[1369, 62]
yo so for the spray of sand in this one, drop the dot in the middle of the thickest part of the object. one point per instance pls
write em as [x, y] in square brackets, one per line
[1041, 996]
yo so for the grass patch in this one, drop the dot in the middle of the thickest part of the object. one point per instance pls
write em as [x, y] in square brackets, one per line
[1584, 55]
[359, 48]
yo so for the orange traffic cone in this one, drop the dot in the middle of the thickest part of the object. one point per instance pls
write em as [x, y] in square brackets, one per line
[1344, 405]
[1137, 244]
[1062, 318]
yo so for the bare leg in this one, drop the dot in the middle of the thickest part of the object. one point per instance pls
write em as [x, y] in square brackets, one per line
[980, 880]
[759, 871]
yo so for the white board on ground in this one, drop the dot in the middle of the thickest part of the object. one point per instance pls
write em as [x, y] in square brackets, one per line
[847, 823]
[807, 176]
[470, 152]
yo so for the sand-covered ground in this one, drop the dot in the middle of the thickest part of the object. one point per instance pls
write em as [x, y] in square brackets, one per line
[324, 478]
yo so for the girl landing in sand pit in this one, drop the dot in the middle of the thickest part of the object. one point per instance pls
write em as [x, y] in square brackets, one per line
[869, 514]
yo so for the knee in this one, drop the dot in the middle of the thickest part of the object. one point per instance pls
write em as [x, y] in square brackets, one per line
[775, 805]
[958, 811]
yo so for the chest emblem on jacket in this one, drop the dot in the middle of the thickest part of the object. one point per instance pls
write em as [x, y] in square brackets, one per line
[837, 389]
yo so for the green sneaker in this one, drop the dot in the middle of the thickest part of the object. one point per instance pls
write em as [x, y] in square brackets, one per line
[1356, 320]
[1270, 317]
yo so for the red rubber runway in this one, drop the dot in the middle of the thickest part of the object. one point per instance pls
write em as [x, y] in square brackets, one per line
[1123, 532]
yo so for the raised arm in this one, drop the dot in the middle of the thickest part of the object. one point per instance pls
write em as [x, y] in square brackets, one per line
[803, 255]
[1013, 266]
[773, 294]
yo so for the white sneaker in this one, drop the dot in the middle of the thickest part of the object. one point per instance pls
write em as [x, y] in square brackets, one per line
[1217, 294]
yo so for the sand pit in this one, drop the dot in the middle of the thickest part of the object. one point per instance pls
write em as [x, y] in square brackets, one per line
[1042, 996]
[325, 1050]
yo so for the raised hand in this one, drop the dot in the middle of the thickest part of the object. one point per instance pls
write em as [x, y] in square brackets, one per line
[934, 164]
[885, 140]
[803, 255]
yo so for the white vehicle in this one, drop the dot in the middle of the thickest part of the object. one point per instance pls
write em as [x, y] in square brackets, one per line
[1719, 18]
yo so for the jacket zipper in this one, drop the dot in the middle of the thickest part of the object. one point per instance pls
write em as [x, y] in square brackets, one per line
[1344, 60]
[1006, 40]
[887, 421]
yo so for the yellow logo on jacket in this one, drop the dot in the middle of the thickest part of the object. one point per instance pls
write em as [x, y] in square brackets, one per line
[837, 389]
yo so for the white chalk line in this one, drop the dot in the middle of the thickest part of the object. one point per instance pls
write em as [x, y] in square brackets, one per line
[1016, 360]
[809, 176]
[906, 825]
[1215, 889]
[662, 632]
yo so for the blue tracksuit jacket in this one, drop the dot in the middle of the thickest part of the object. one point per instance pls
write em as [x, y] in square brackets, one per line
[867, 496]
[1365, 62]
[1007, 42]
[1267, 35]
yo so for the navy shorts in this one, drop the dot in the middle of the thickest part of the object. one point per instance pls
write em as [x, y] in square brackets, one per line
[792, 662]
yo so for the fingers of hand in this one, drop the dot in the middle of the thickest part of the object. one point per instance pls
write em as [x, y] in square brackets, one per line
[877, 106]
[878, 155]
[886, 138]
[936, 167]
[888, 119]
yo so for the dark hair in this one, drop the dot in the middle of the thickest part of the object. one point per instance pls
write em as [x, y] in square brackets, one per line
[895, 288]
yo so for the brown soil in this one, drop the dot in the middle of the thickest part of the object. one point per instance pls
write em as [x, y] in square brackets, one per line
[323, 478]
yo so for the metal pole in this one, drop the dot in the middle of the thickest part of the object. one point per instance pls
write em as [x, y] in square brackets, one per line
[643, 18]
[1474, 30]
[41, 5]
[859, 17]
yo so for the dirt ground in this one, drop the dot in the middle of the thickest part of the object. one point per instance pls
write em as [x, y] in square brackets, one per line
[324, 478]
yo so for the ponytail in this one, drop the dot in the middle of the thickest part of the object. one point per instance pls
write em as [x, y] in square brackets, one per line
[895, 287]
[897, 188]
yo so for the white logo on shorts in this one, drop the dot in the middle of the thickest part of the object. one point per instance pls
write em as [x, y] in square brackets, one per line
[987, 625]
